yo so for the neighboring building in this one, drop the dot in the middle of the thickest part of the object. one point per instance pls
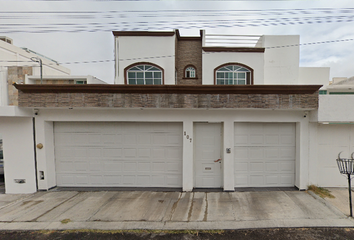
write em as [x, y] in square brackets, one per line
[16, 63]
[16, 124]
[63, 80]
[186, 129]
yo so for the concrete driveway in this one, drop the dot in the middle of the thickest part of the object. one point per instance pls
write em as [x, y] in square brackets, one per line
[167, 210]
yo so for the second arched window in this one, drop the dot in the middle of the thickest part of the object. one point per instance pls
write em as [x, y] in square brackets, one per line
[144, 74]
[233, 75]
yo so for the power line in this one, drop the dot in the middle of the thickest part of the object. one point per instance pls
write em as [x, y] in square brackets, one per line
[168, 13]
[280, 10]
[168, 56]
[163, 25]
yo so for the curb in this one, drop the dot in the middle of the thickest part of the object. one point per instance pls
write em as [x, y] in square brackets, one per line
[329, 205]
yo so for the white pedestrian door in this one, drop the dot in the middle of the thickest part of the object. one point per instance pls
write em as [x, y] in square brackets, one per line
[208, 163]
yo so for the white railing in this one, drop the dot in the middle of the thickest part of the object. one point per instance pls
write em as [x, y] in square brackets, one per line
[224, 40]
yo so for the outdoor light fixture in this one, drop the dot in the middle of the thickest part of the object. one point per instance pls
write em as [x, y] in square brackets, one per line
[38, 60]
[345, 166]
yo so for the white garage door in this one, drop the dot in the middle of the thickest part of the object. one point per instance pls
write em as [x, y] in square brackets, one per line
[264, 154]
[118, 154]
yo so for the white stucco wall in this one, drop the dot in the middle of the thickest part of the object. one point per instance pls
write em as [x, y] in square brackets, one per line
[314, 75]
[19, 162]
[45, 118]
[331, 132]
[281, 61]
[157, 50]
[335, 108]
[327, 140]
[212, 60]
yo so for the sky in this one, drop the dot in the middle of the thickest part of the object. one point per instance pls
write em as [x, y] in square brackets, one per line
[78, 33]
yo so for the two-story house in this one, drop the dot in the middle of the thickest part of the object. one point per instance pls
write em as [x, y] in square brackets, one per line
[184, 113]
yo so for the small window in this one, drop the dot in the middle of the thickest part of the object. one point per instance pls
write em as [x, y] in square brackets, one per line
[233, 75]
[144, 75]
[80, 82]
[190, 72]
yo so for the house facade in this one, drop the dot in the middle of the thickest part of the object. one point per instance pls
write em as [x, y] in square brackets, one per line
[184, 113]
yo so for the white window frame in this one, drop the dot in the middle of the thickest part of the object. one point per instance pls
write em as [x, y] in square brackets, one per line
[140, 74]
[189, 71]
[232, 75]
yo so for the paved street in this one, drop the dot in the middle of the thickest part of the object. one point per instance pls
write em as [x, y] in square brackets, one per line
[167, 210]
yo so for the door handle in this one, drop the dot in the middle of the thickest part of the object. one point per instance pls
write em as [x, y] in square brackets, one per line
[219, 160]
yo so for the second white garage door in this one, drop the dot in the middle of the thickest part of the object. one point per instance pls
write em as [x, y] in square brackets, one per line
[118, 154]
[264, 154]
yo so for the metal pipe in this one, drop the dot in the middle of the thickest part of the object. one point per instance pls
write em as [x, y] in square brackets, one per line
[38, 60]
[350, 195]
[41, 68]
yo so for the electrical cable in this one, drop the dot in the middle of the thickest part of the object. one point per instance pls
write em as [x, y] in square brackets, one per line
[167, 56]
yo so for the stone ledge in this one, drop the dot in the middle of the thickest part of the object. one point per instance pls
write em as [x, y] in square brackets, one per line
[166, 100]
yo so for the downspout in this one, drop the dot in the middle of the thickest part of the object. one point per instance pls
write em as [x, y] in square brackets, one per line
[35, 151]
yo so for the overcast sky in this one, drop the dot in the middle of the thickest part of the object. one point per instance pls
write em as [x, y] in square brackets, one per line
[81, 31]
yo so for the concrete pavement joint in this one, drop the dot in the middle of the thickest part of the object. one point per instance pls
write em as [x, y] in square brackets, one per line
[18, 200]
[206, 208]
[106, 203]
[191, 208]
[35, 219]
[175, 205]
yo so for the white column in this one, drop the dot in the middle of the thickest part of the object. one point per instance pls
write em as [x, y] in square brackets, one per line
[313, 154]
[45, 155]
[188, 163]
[302, 154]
[228, 158]
[41, 156]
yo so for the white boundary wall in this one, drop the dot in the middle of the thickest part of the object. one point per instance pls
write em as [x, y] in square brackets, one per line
[18, 147]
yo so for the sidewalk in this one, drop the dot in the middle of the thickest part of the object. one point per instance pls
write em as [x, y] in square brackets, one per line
[166, 210]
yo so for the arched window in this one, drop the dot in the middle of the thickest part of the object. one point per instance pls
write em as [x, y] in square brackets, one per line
[233, 74]
[144, 74]
[189, 72]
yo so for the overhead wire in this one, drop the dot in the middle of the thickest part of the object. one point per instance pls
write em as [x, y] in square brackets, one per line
[163, 25]
[168, 56]
[69, 21]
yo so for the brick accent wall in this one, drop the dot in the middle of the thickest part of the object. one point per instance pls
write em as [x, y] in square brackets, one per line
[186, 101]
[189, 52]
[16, 74]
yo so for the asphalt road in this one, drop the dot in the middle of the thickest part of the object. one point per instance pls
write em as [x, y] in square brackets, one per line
[264, 234]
